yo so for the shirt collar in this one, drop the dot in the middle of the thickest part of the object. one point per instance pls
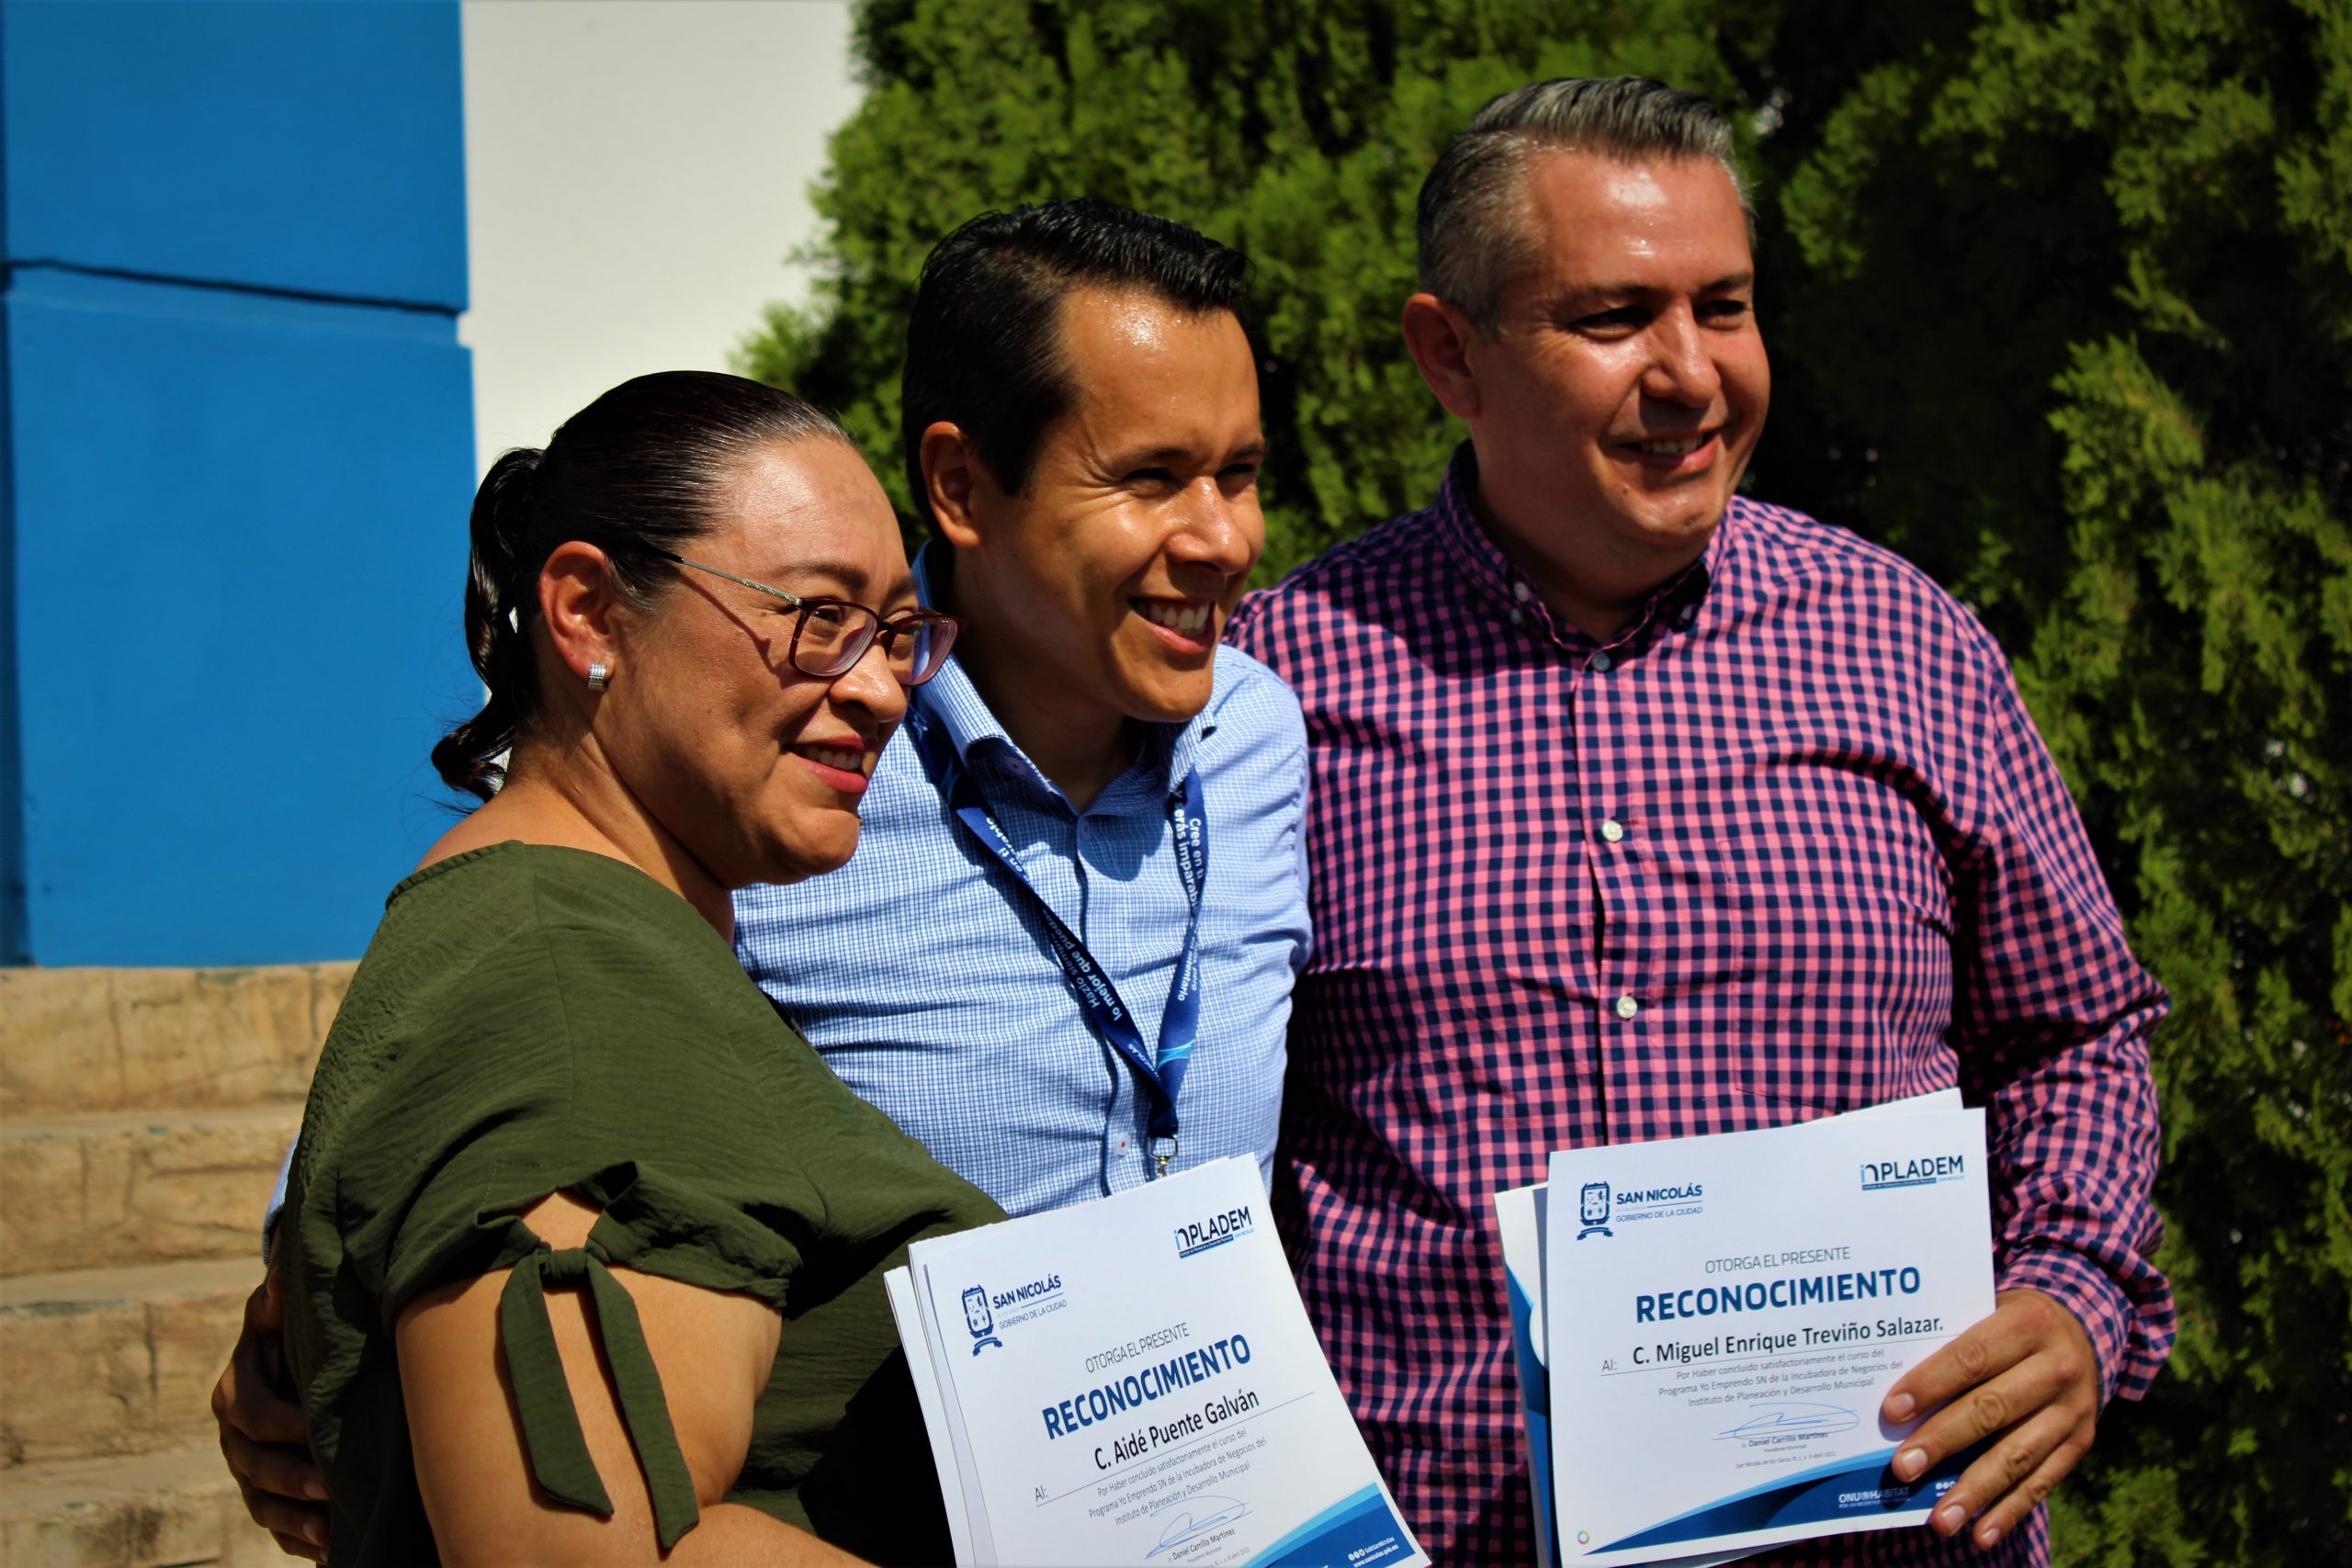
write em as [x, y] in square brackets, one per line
[1676, 604]
[950, 700]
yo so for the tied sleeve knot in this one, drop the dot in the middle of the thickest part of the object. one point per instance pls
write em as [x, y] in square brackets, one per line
[560, 1462]
[568, 1267]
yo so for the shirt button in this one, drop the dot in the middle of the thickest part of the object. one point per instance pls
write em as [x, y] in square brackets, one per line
[1601, 661]
[1122, 1142]
[1522, 593]
[1626, 1007]
[1517, 619]
[1613, 830]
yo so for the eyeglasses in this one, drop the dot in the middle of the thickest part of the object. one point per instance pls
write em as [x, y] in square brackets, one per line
[830, 636]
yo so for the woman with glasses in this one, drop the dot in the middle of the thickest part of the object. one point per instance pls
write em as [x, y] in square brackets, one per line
[582, 1243]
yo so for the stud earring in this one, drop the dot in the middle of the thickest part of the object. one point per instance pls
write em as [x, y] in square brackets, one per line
[599, 677]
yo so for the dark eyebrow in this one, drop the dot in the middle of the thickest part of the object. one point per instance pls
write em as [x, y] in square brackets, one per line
[838, 574]
[1172, 456]
[1609, 295]
[844, 581]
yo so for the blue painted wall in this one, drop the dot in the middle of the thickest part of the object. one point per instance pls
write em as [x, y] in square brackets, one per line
[312, 148]
[14, 948]
[238, 457]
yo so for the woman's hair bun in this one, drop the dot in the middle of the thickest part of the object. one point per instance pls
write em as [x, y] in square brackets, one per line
[500, 604]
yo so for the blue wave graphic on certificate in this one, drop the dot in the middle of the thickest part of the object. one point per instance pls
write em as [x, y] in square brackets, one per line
[1361, 1530]
[1791, 1418]
[1840, 1490]
[1535, 1401]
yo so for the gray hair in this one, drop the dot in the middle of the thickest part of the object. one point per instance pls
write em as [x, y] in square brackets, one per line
[1471, 228]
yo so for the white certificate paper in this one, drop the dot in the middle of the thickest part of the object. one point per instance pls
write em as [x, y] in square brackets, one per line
[1726, 1315]
[1133, 1382]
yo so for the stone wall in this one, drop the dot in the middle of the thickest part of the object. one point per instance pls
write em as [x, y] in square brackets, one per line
[144, 1115]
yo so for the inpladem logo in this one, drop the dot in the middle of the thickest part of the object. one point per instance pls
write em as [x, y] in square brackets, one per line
[1199, 1235]
[1920, 1170]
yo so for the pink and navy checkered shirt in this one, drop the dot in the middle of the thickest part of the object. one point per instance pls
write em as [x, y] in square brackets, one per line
[1788, 845]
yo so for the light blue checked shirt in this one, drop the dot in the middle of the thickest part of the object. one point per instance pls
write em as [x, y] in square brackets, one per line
[926, 981]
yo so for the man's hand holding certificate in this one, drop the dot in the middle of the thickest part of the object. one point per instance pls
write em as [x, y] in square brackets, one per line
[1725, 1317]
[1133, 1380]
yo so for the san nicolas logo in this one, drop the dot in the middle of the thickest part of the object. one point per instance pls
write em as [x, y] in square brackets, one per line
[980, 1320]
[982, 1306]
[1601, 1205]
[1592, 1208]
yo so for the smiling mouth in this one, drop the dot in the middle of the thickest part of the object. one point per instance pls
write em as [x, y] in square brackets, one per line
[1187, 620]
[859, 761]
[1671, 445]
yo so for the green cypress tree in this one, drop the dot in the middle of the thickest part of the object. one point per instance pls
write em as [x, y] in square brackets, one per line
[1296, 129]
[2068, 306]
[2060, 300]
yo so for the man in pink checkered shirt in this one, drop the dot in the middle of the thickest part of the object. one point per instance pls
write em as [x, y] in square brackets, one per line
[1642, 810]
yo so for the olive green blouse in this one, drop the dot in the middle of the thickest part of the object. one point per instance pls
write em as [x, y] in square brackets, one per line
[530, 1020]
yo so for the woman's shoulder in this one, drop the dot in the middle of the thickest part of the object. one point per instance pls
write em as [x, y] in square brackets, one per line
[543, 917]
[511, 877]
[525, 975]
[578, 1005]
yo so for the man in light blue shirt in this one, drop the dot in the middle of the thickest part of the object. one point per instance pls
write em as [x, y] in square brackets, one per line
[1082, 428]
[936, 996]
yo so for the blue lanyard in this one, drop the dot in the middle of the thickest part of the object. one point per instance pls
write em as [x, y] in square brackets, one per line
[1106, 1013]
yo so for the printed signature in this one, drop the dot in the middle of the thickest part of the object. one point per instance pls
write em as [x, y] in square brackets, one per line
[1184, 1525]
[1792, 1418]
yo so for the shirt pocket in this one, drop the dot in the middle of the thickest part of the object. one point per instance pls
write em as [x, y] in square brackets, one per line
[1815, 963]
[1855, 981]
[1683, 926]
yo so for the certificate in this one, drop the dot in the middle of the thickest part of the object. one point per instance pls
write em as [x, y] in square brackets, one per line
[1724, 1315]
[1133, 1380]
